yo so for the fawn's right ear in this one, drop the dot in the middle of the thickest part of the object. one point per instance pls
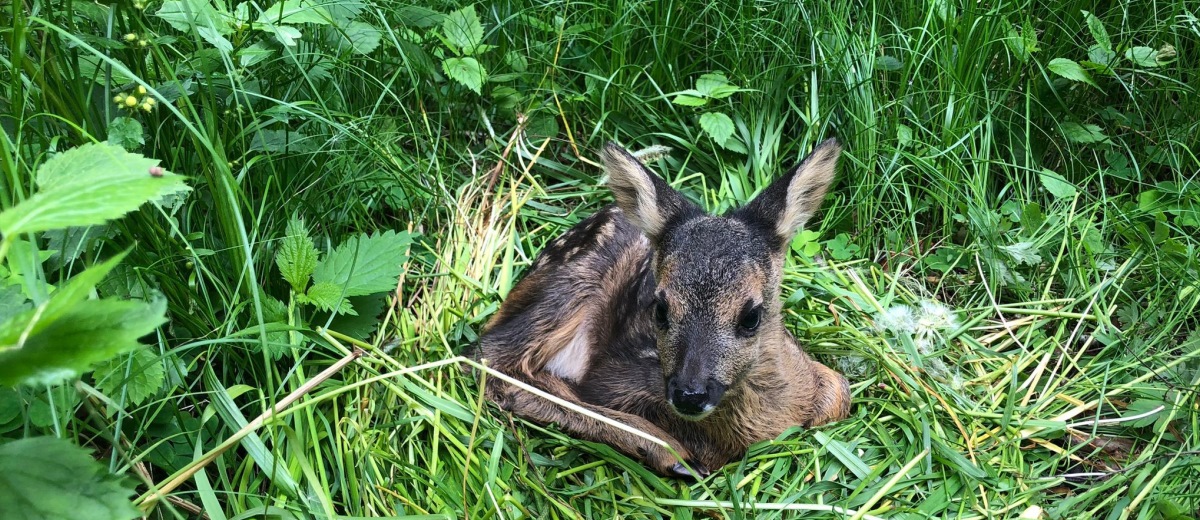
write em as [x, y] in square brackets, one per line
[647, 200]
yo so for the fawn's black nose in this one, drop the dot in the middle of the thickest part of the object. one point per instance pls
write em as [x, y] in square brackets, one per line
[694, 399]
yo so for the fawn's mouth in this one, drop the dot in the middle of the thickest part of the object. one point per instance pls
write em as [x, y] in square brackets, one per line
[704, 412]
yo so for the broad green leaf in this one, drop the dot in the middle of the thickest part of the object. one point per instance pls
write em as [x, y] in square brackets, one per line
[1086, 133]
[126, 132]
[715, 85]
[328, 296]
[70, 294]
[140, 373]
[688, 100]
[1056, 184]
[717, 125]
[904, 135]
[1145, 406]
[49, 478]
[1142, 56]
[295, 12]
[462, 31]
[358, 37]
[297, 256]
[1071, 70]
[214, 38]
[254, 54]
[86, 186]
[187, 15]
[365, 264]
[1101, 56]
[284, 34]
[1099, 33]
[888, 63]
[466, 71]
[88, 333]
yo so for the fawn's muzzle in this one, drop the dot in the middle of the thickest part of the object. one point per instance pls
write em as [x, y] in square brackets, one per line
[696, 398]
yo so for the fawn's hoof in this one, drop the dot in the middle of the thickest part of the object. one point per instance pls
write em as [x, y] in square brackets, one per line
[700, 472]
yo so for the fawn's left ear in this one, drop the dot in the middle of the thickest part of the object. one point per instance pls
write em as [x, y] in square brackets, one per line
[791, 200]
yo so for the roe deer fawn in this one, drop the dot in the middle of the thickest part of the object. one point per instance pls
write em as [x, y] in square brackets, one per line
[664, 318]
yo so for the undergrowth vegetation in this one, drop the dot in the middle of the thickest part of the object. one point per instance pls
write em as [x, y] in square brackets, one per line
[216, 208]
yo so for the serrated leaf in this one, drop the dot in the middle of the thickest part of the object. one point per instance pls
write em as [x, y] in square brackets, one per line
[358, 37]
[1022, 43]
[715, 85]
[1099, 33]
[1023, 252]
[139, 375]
[295, 12]
[365, 264]
[462, 31]
[1071, 70]
[1056, 184]
[1142, 56]
[188, 15]
[689, 100]
[297, 256]
[328, 296]
[717, 125]
[1087, 133]
[888, 63]
[87, 186]
[49, 478]
[214, 38]
[466, 71]
[88, 333]
[126, 132]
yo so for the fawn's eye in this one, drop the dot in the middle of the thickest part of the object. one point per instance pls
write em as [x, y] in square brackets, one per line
[660, 313]
[751, 317]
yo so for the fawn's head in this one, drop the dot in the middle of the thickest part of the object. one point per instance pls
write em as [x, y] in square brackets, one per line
[718, 277]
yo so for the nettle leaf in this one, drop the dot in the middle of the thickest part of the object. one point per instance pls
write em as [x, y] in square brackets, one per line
[141, 374]
[715, 85]
[254, 54]
[187, 15]
[1142, 56]
[1101, 56]
[1088, 133]
[297, 256]
[45, 478]
[88, 186]
[466, 71]
[717, 125]
[462, 31]
[329, 296]
[1022, 43]
[1071, 70]
[126, 132]
[90, 332]
[295, 12]
[1099, 33]
[1056, 184]
[365, 264]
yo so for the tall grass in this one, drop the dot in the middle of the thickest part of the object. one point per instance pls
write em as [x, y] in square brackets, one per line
[1064, 387]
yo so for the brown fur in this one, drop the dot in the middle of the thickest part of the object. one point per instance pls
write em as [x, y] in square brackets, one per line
[668, 320]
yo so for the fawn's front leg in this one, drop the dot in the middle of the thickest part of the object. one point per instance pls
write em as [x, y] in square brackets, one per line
[541, 410]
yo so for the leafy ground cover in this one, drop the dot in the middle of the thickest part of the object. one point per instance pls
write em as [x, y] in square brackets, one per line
[214, 209]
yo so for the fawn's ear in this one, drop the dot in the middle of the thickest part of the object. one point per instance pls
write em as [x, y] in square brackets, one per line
[647, 200]
[790, 201]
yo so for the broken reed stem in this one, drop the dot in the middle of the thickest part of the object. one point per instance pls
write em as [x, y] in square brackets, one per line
[147, 501]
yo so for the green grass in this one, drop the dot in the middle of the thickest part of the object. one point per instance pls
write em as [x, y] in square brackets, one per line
[1067, 381]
